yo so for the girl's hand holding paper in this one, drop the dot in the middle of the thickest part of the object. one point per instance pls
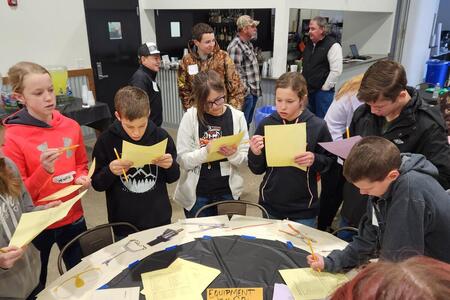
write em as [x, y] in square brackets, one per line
[256, 144]
[305, 159]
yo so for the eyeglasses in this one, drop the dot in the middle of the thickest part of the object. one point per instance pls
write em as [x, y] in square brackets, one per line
[218, 101]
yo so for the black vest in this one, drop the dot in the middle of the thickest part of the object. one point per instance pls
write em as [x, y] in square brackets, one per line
[315, 63]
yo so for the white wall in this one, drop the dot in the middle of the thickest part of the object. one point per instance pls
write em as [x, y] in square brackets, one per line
[417, 39]
[50, 32]
[370, 32]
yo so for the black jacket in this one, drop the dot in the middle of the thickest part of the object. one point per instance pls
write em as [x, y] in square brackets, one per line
[316, 66]
[412, 218]
[145, 79]
[143, 200]
[284, 191]
[418, 129]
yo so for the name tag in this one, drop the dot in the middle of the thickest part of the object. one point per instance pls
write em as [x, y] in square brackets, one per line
[155, 86]
[192, 69]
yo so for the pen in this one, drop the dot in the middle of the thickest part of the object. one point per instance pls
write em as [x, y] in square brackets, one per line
[347, 130]
[123, 171]
[312, 253]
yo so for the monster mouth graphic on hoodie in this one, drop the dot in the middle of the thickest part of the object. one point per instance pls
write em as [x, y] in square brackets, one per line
[141, 180]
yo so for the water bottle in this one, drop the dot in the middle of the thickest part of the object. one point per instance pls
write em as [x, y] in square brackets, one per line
[436, 90]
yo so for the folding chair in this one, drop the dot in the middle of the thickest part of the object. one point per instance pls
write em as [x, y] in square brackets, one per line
[93, 240]
[233, 207]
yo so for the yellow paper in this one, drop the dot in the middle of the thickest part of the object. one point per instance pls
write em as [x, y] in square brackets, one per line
[283, 142]
[306, 283]
[181, 280]
[91, 169]
[142, 155]
[229, 140]
[235, 293]
[33, 223]
[61, 193]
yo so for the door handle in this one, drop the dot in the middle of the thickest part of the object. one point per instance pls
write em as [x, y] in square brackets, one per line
[100, 71]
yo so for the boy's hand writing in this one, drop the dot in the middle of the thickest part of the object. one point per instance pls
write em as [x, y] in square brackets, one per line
[116, 166]
[316, 261]
[165, 161]
[305, 159]
[256, 144]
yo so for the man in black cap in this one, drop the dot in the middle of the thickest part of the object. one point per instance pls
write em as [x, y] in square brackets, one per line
[145, 78]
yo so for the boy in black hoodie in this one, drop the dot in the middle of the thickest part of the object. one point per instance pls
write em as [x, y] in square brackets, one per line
[145, 78]
[142, 200]
[408, 212]
[288, 192]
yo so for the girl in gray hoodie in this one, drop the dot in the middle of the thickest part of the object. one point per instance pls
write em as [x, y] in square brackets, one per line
[19, 267]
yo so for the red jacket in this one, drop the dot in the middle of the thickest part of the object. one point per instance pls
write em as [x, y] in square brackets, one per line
[25, 139]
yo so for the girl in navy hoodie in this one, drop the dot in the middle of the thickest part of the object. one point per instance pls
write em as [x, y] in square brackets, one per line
[288, 192]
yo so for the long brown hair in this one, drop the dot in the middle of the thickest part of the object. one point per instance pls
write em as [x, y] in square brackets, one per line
[417, 278]
[203, 83]
[9, 183]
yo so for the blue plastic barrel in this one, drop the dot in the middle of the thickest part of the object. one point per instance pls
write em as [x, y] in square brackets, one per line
[262, 112]
[436, 71]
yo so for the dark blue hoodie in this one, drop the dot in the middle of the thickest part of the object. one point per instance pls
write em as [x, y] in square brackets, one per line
[413, 218]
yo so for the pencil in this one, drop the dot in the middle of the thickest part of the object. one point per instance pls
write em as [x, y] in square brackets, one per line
[347, 130]
[3, 251]
[62, 149]
[312, 253]
[123, 171]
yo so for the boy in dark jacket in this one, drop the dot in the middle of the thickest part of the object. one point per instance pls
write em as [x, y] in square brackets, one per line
[408, 212]
[142, 200]
[145, 78]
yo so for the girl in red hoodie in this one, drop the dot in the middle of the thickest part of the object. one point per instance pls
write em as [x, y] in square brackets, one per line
[34, 140]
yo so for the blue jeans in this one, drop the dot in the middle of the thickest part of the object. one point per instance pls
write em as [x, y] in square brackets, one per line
[311, 222]
[320, 101]
[345, 235]
[202, 201]
[249, 107]
[61, 236]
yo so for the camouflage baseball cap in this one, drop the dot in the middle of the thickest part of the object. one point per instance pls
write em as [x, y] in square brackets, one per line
[244, 21]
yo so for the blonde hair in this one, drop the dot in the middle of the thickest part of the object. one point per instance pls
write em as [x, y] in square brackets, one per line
[17, 73]
[10, 184]
[350, 86]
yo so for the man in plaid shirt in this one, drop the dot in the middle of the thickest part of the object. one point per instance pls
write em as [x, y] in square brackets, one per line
[242, 53]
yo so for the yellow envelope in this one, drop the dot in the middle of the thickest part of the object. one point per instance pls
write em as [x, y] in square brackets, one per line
[142, 155]
[33, 223]
[283, 142]
[229, 140]
[305, 283]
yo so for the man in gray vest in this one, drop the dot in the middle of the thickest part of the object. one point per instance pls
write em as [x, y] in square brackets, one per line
[322, 66]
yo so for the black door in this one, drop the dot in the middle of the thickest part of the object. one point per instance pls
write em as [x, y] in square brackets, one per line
[114, 35]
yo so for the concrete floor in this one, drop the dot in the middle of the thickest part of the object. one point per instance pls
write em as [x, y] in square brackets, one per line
[94, 204]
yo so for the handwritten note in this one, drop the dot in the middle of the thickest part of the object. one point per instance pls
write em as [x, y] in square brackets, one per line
[182, 280]
[33, 223]
[142, 155]
[215, 144]
[235, 293]
[306, 283]
[283, 143]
